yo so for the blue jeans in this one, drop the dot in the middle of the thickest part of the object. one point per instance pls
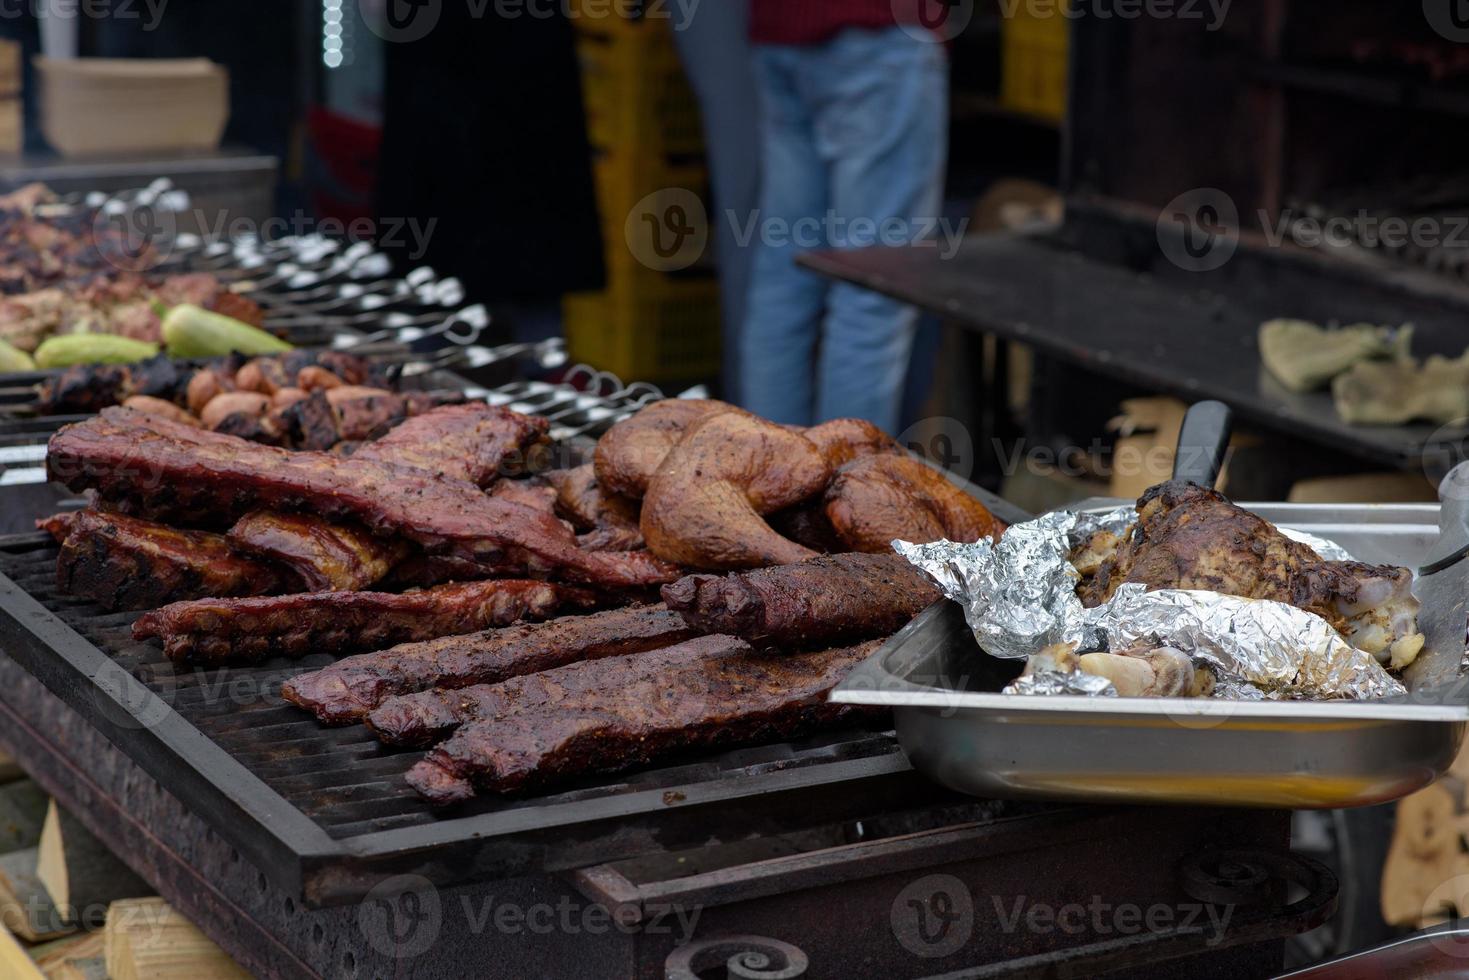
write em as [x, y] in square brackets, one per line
[854, 136]
[716, 57]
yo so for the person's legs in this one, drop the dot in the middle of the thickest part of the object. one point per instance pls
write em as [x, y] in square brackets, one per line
[783, 315]
[717, 59]
[882, 123]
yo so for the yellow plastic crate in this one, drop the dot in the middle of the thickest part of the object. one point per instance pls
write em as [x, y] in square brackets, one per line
[652, 327]
[622, 182]
[1033, 57]
[636, 96]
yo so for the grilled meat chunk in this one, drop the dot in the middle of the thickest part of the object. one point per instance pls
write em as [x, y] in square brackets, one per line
[705, 507]
[832, 599]
[629, 453]
[534, 493]
[346, 691]
[122, 562]
[328, 557]
[1190, 537]
[843, 440]
[610, 715]
[159, 466]
[247, 631]
[474, 442]
[876, 500]
[582, 501]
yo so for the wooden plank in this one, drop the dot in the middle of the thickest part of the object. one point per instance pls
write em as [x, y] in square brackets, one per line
[15, 962]
[148, 938]
[79, 871]
[26, 908]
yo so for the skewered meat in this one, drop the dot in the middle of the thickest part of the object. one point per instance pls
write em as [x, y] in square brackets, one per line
[582, 501]
[629, 453]
[705, 506]
[346, 691]
[328, 557]
[93, 387]
[1190, 537]
[161, 467]
[124, 304]
[610, 715]
[879, 499]
[474, 442]
[843, 440]
[246, 631]
[121, 562]
[832, 599]
[157, 406]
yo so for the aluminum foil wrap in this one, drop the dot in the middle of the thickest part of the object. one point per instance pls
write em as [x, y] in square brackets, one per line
[1019, 595]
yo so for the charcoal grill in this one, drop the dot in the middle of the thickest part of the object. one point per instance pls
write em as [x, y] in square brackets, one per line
[262, 825]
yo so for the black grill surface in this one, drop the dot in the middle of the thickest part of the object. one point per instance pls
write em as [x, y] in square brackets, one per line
[350, 787]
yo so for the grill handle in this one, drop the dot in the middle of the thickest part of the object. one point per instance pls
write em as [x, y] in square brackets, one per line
[1202, 441]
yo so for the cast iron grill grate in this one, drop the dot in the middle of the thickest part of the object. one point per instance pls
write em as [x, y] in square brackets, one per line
[343, 778]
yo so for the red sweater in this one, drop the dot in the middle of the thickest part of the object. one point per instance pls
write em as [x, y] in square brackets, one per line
[815, 21]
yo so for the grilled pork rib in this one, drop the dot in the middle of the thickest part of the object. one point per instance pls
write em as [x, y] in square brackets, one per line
[245, 631]
[1190, 537]
[122, 562]
[832, 599]
[348, 690]
[609, 715]
[328, 557]
[161, 467]
[474, 442]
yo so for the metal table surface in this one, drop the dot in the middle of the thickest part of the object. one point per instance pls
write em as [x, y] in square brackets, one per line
[1137, 328]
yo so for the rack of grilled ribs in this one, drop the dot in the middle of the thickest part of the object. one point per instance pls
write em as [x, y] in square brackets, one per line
[346, 691]
[826, 600]
[122, 562]
[1190, 537]
[160, 468]
[246, 631]
[610, 715]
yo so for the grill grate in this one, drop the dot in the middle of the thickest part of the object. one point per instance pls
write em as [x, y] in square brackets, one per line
[343, 778]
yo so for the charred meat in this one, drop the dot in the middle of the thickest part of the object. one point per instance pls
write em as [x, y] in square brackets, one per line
[161, 467]
[610, 715]
[122, 562]
[1190, 537]
[246, 631]
[346, 691]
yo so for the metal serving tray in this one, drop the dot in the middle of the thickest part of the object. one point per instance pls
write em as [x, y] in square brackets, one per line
[956, 726]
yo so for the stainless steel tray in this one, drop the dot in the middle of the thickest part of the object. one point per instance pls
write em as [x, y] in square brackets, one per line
[958, 728]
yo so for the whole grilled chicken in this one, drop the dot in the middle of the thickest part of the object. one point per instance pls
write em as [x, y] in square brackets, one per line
[1190, 537]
